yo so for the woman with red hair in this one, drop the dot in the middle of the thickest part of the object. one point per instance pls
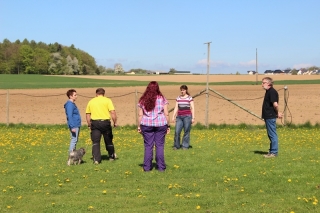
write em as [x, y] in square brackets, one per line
[153, 120]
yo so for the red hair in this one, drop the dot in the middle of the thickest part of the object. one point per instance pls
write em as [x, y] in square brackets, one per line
[149, 97]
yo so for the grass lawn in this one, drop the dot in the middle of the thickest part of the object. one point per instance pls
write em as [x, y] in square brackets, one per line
[42, 81]
[224, 171]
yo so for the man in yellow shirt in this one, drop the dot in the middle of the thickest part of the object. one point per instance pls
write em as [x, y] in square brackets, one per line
[99, 112]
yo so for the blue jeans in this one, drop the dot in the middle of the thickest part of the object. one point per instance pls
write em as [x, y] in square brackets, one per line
[272, 134]
[74, 138]
[185, 123]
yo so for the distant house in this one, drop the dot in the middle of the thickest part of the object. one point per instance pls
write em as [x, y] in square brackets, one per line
[151, 72]
[268, 72]
[160, 72]
[287, 71]
[251, 72]
[182, 72]
[130, 73]
[278, 72]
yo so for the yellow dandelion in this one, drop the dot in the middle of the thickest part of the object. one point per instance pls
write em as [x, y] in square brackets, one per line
[8, 207]
[19, 197]
[197, 195]
[314, 203]
[289, 180]
[198, 207]
[292, 212]
[60, 184]
[104, 192]
[90, 207]
[4, 190]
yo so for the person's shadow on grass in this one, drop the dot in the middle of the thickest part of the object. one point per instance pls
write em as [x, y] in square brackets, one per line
[258, 152]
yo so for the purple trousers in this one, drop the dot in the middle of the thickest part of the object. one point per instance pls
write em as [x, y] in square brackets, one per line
[154, 136]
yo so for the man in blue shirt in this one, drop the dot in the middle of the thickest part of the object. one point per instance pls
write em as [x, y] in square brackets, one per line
[73, 118]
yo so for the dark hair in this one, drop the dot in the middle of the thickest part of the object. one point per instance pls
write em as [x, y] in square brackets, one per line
[100, 91]
[70, 92]
[184, 87]
[149, 97]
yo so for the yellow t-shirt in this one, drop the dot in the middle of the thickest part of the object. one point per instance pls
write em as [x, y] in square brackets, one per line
[99, 108]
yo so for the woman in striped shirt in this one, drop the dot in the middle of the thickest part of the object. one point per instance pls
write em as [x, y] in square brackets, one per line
[183, 115]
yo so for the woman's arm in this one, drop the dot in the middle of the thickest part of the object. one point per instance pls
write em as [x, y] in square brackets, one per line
[192, 111]
[175, 112]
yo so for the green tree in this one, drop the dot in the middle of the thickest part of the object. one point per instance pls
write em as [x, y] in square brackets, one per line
[27, 56]
[172, 71]
[98, 71]
[84, 70]
[25, 42]
[41, 61]
[294, 72]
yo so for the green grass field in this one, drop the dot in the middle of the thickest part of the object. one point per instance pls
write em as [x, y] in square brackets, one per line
[41, 82]
[223, 172]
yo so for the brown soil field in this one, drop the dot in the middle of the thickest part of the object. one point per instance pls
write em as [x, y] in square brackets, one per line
[45, 106]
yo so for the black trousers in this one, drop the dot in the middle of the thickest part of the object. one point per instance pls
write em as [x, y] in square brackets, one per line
[99, 128]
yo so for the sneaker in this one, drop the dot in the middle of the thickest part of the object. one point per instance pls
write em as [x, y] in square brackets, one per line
[96, 162]
[113, 157]
[175, 148]
[270, 155]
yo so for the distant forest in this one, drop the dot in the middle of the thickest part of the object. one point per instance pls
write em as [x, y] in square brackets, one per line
[30, 57]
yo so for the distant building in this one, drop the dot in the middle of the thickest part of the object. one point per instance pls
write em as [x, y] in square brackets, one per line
[268, 72]
[251, 72]
[278, 72]
[151, 72]
[182, 72]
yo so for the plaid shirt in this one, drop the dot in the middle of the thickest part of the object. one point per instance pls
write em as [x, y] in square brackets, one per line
[156, 117]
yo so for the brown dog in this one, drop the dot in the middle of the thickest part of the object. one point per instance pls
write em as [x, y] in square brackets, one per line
[76, 156]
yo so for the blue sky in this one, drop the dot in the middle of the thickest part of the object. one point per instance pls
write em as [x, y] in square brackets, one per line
[164, 34]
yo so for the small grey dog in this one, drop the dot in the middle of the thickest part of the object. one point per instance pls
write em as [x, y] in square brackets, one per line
[76, 156]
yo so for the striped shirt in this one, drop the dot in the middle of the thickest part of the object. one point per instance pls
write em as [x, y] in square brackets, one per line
[184, 105]
[155, 117]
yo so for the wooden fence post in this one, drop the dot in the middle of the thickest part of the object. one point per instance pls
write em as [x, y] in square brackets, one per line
[7, 107]
[135, 107]
[285, 105]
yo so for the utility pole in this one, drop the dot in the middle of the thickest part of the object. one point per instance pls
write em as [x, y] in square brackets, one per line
[207, 89]
[256, 66]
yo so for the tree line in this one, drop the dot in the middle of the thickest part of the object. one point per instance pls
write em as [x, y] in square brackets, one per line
[30, 57]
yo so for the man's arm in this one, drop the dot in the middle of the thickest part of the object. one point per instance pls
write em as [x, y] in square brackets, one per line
[114, 117]
[276, 108]
[88, 118]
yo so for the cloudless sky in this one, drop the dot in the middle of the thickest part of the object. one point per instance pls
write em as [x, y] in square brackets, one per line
[162, 34]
